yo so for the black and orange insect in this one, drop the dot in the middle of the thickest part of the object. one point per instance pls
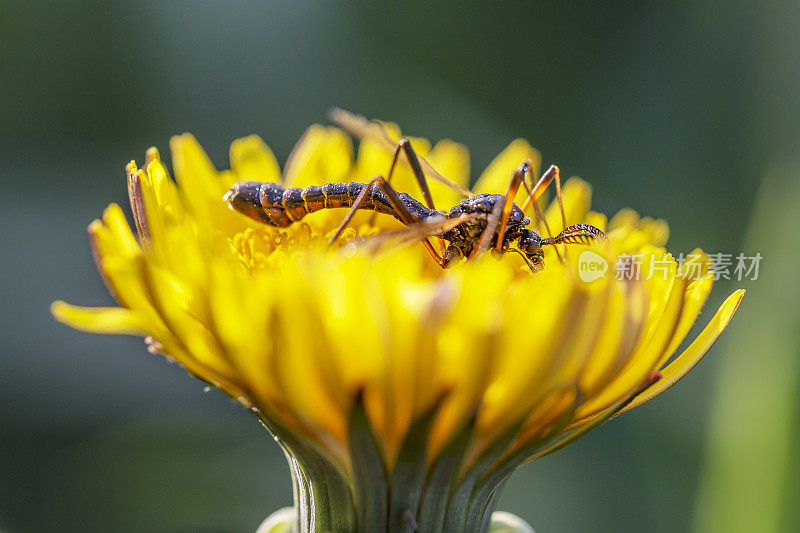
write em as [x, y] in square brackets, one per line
[473, 226]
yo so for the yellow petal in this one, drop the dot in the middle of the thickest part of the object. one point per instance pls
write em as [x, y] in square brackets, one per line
[322, 155]
[608, 343]
[186, 312]
[164, 189]
[112, 320]
[694, 265]
[194, 171]
[564, 347]
[203, 188]
[252, 160]
[624, 220]
[299, 369]
[630, 232]
[666, 302]
[693, 300]
[374, 159]
[576, 195]
[542, 415]
[158, 219]
[526, 359]
[598, 220]
[114, 219]
[497, 176]
[693, 354]
[465, 362]
[242, 325]
[131, 290]
[657, 230]
[451, 160]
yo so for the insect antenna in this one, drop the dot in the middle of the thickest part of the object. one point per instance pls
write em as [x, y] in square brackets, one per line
[576, 234]
[363, 128]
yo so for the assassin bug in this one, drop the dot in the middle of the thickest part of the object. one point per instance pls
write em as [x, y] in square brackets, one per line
[473, 226]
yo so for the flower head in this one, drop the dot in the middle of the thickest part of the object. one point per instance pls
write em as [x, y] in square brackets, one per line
[401, 392]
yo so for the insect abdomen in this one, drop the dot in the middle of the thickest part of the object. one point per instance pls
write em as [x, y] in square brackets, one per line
[275, 205]
[297, 203]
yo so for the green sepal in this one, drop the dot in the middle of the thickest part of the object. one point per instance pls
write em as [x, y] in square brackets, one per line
[369, 473]
[460, 501]
[323, 497]
[408, 476]
[439, 483]
[488, 487]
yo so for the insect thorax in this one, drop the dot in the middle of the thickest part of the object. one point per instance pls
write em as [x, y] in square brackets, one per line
[467, 234]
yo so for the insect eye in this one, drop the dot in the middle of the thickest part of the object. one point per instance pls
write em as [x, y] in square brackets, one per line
[530, 242]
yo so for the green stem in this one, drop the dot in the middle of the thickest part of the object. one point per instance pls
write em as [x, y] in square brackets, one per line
[416, 496]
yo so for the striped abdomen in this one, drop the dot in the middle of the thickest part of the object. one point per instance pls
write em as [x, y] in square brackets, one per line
[272, 204]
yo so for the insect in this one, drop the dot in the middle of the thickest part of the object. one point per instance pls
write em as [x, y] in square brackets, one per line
[473, 226]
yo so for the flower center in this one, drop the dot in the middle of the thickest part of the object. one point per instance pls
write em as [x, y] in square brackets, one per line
[265, 247]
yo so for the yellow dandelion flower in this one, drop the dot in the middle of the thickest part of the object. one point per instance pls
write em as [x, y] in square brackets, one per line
[403, 394]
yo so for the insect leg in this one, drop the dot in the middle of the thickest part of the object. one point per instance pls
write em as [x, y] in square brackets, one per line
[534, 267]
[405, 146]
[486, 237]
[406, 216]
[561, 205]
[511, 194]
[541, 185]
[501, 212]
[538, 211]
[551, 174]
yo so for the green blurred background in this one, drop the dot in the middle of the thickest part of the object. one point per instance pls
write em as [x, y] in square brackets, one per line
[681, 110]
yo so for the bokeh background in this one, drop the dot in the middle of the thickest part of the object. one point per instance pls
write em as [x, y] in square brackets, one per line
[684, 110]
